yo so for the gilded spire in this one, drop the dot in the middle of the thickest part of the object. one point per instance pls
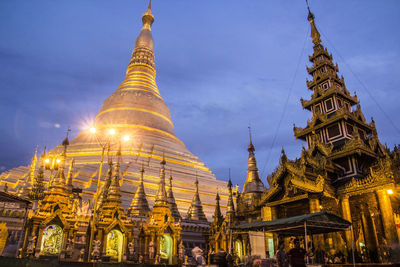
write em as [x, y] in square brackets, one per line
[231, 206]
[314, 32]
[217, 218]
[145, 39]
[112, 205]
[25, 187]
[58, 182]
[139, 205]
[114, 191]
[106, 186]
[37, 190]
[70, 175]
[33, 167]
[253, 182]
[23, 190]
[195, 211]
[171, 201]
[161, 196]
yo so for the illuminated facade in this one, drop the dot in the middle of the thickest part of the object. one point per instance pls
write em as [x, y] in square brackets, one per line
[344, 169]
[63, 225]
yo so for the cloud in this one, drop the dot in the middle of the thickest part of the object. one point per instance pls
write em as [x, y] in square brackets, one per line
[372, 62]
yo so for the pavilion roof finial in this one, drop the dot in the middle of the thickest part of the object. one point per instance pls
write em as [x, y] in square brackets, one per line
[314, 32]
[251, 146]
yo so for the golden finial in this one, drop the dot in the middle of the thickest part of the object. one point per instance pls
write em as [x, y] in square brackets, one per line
[145, 39]
[229, 181]
[314, 32]
[251, 146]
[249, 132]
[163, 162]
[148, 18]
[142, 168]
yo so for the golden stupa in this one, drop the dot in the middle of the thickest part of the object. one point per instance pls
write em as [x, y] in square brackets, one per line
[136, 109]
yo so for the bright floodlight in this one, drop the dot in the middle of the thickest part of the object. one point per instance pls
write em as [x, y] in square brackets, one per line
[58, 161]
[126, 138]
[390, 191]
[47, 160]
[92, 130]
[111, 131]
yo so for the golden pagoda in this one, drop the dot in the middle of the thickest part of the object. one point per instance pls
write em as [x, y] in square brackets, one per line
[136, 111]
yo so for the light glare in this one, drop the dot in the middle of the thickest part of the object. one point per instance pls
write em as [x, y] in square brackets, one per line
[92, 130]
[126, 138]
[111, 131]
[390, 191]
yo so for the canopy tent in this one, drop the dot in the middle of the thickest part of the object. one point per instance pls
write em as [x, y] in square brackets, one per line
[308, 224]
[316, 223]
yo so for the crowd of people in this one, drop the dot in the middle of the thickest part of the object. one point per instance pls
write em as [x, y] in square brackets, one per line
[294, 257]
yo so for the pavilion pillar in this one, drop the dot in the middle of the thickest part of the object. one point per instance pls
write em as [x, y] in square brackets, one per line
[274, 216]
[145, 246]
[38, 240]
[346, 213]
[385, 207]
[368, 231]
[315, 206]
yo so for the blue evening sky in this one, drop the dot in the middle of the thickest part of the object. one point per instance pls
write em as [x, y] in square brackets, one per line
[221, 65]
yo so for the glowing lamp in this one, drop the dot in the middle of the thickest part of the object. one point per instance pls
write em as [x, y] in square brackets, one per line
[92, 130]
[47, 160]
[390, 191]
[58, 161]
[111, 131]
[126, 138]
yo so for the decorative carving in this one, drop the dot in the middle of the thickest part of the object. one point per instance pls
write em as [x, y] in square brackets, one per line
[151, 249]
[96, 249]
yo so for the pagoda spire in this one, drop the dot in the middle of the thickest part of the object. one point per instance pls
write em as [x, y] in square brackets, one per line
[25, 187]
[37, 190]
[57, 196]
[161, 196]
[112, 204]
[334, 122]
[70, 175]
[145, 38]
[195, 211]
[171, 201]
[106, 186]
[316, 37]
[217, 218]
[33, 167]
[139, 206]
[114, 191]
[253, 182]
[58, 182]
[231, 207]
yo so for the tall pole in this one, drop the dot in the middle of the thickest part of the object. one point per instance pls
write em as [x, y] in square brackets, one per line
[230, 242]
[95, 202]
[305, 239]
[352, 245]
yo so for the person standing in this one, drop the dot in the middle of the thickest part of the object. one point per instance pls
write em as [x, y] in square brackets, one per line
[296, 255]
[281, 256]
